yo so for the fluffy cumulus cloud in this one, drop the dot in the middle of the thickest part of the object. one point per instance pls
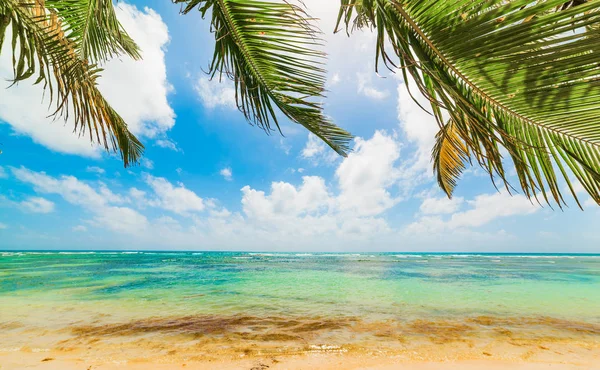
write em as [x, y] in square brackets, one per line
[37, 205]
[314, 147]
[347, 211]
[304, 215]
[215, 93]
[287, 200]
[366, 175]
[487, 207]
[136, 89]
[317, 152]
[97, 200]
[174, 198]
[483, 209]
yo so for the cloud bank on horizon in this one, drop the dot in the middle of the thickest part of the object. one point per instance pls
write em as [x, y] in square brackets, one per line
[210, 181]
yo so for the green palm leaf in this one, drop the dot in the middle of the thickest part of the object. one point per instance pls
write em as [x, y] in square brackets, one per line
[93, 27]
[520, 74]
[269, 50]
[41, 48]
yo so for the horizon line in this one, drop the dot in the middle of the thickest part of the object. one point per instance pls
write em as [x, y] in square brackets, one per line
[298, 251]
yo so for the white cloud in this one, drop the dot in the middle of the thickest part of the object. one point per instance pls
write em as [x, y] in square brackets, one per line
[123, 219]
[438, 206]
[366, 174]
[3, 174]
[147, 163]
[335, 79]
[177, 199]
[167, 144]
[136, 89]
[37, 205]
[3, 226]
[226, 173]
[488, 207]
[302, 216]
[69, 187]
[95, 169]
[79, 228]
[418, 126]
[366, 88]
[284, 145]
[318, 152]
[484, 209]
[215, 93]
[137, 194]
[314, 146]
[287, 200]
[100, 201]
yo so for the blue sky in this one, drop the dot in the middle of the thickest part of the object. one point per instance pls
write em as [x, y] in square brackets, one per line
[210, 181]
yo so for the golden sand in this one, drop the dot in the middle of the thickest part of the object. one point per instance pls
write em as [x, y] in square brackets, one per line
[260, 343]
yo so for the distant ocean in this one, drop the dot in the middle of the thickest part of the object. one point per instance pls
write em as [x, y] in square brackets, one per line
[240, 302]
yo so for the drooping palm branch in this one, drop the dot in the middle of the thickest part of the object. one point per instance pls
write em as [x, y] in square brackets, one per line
[522, 75]
[270, 51]
[60, 42]
[450, 155]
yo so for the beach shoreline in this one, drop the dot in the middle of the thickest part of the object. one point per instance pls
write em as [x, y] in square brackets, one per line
[170, 343]
[246, 311]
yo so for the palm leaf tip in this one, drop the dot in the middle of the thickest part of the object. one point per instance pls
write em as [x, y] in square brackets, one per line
[271, 51]
[449, 156]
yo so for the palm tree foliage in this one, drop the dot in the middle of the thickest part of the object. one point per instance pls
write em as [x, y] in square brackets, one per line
[270, 51]
[508, 81]
[61, 43]
[517, 77]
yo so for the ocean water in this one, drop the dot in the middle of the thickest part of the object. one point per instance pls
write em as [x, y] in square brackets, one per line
[295, 300]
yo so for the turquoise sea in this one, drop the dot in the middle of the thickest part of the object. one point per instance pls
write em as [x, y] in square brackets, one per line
[295, 300]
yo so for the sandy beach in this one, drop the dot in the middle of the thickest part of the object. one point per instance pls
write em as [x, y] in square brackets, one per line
[242, 311]
[271, 343]
[572, 361]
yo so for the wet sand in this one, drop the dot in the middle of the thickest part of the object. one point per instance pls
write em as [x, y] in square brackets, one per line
[260, 343]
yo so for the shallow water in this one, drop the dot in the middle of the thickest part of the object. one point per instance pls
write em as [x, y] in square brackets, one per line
[297, 301]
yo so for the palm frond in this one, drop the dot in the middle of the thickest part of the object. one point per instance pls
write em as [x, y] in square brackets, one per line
[269, 50]
[449, 157]
[41, 48]
[520, 74]
[93, 27]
